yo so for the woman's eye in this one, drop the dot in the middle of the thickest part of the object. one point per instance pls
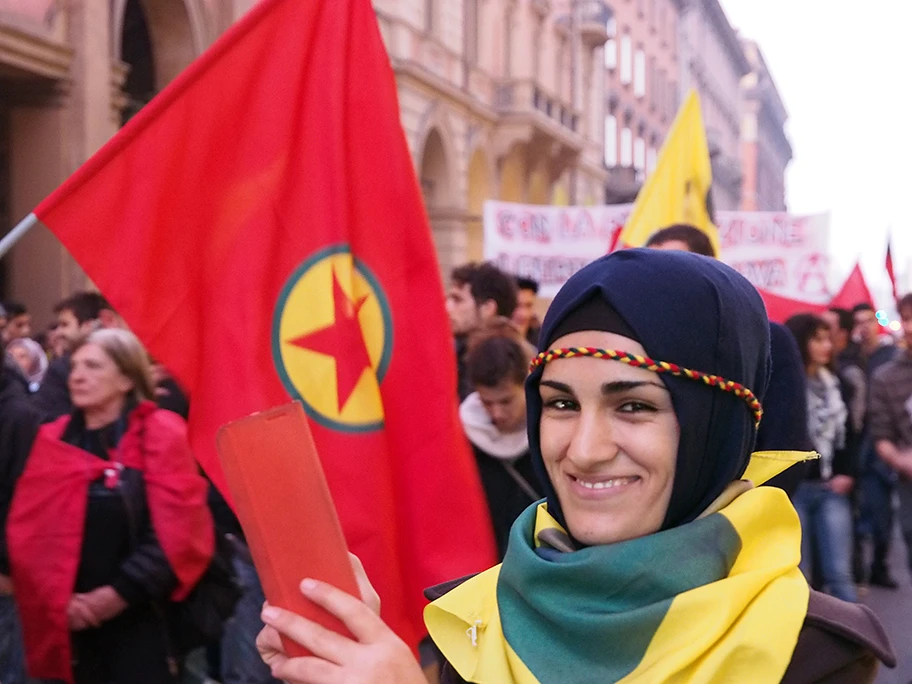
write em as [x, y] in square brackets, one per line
[636, 407]
[561, 404]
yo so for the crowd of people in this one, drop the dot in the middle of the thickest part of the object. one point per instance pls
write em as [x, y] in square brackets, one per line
[108, 523]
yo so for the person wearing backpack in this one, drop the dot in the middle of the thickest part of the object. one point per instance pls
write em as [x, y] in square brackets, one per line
[109, 534]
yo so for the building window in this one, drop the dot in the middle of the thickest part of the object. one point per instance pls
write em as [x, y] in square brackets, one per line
[507, 44]
[626, 59]
[611, 141]
[611, 49]
[653, 12]
[472, 26]
[651, 82]
[672, 99]
[626, 147]
[660, 92]
[639, 73]
[662, 19]
[639, 154]
[651, 156]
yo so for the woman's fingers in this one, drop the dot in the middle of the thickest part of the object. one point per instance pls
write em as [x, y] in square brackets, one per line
[270, 647]
[368, 594]
[361, 621]
[315, 638]
[308, 671]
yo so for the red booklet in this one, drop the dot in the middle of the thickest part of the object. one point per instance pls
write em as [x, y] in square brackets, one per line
[285, 508]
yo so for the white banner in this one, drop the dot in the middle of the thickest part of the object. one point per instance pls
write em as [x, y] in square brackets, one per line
[779, 253]
[549, 244]
[782, 254]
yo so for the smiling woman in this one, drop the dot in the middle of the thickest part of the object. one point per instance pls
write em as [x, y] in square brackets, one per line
[654, 556]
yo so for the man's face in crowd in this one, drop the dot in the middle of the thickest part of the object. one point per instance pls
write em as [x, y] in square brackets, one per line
[839, 336]
[68, 328]
[505, 404]
[866, 326]
[525, 306]
[18, 326]
[464, 314]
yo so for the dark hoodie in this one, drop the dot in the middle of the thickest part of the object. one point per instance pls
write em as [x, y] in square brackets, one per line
[18, 426]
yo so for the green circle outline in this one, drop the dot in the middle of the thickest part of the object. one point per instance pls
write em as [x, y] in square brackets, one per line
[385, 356]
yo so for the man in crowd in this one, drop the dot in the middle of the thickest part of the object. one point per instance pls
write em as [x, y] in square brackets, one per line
[524, 313]
[876, 477]
[478, 294]
[18, 322]
[77, 315]
[890, 418]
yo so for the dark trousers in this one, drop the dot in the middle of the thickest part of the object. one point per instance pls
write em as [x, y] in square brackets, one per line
[876, 517]
[874, 491]
[904, 489]
[130, 649]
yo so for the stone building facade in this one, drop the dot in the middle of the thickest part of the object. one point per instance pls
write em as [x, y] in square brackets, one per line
[499, 99]
[765, 147]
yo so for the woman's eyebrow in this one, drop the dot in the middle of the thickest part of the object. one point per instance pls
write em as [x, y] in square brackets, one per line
[626, 385]
[559, 386]
[608, 388]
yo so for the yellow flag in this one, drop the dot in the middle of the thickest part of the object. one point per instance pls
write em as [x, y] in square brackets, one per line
[676, 191]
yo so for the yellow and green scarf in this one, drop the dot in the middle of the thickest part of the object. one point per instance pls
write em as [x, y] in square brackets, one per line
[719, 599]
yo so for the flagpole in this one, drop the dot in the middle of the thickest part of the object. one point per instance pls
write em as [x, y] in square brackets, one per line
[12, 237]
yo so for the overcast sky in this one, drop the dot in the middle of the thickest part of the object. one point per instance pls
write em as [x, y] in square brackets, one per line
[843, 73]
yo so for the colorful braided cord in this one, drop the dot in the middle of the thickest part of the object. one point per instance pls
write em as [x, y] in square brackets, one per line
[735, 388]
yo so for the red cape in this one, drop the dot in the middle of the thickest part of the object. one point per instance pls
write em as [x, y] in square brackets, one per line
[47, 519]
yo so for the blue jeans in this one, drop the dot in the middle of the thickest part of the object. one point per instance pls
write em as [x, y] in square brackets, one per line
[826, 537]
[241, 662]
[12, 651]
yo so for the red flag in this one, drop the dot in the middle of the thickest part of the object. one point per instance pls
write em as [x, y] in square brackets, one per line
[260, 227]
[780, 309]
[890, 272]
[854, 291]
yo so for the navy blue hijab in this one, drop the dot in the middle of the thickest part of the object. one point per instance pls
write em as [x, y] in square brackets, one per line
[685, 309]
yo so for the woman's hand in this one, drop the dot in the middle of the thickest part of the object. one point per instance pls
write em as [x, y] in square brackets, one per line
[103, 602]
[80, 615]
[375, 655]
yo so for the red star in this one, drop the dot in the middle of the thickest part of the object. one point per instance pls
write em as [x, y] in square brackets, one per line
[343, 340]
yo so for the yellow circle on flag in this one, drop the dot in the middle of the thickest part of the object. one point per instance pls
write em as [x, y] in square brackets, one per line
[332, 340]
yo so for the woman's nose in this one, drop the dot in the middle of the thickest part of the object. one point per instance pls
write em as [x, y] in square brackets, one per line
[593, 442]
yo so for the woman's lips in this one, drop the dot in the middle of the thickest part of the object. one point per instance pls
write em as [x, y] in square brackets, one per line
[601, 487]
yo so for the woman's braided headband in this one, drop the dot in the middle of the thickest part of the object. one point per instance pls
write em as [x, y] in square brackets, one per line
[656, 367]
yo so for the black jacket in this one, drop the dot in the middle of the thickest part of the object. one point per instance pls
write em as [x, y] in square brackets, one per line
[120, 547]
[19, 423]
[52, 399]
[506, 496]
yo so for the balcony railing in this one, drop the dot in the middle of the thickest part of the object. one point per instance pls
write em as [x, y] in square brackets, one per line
[525, 97]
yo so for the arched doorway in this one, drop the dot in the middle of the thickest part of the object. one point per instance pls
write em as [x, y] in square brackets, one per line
[437, 182]
[157, 39]
[136, 50]
[479, 190]
[540, 185]
[435, 176]
[513, 176]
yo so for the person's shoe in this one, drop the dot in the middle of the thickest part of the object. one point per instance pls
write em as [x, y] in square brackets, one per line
[882, 578]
